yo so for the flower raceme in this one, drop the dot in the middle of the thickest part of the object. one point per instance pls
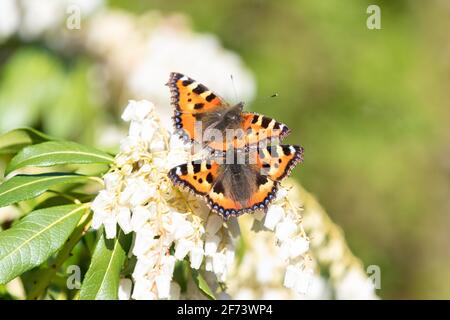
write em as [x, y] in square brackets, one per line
[171, 225]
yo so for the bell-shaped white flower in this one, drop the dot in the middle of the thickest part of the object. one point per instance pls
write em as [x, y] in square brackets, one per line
[182, 248]
[273, 216]
[163, 286]
[285, 229]
[137, 110]
[124, 219]
[196, 256]
[211, 244]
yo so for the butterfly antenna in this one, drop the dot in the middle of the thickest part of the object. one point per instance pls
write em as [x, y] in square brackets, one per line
[234, 87]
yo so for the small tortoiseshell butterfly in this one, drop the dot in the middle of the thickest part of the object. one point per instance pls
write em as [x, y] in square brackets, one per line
[249, 180]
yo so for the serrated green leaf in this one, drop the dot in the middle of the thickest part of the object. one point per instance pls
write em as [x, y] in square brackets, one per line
[56, 152]
[24, 187]
[35, 238]
[15, 140]
[202, 284]
[102, 279]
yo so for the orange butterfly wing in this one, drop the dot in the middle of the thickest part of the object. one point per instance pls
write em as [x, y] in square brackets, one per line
[198, 177]
[259, 128]
[278, 161]
[190, 98]
[264, 192]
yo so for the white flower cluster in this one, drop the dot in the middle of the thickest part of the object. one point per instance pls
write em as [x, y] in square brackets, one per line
[31, 19]
[285, 221]
[261, 272]
[355, 285]
[346, 277]
[263, 266]
[140, 198]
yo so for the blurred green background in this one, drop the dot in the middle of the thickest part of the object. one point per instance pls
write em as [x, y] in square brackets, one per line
[371, 108]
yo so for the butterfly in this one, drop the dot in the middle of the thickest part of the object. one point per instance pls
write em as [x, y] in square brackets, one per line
[242, 174]
[202, 117]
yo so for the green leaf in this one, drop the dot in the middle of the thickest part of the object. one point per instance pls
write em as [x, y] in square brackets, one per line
[181, 274]
[102, 279]
[15, 140]
[90, 240]
[47, 274]
[24, 187]
[202, 284]
[35, 238]
[57, 152]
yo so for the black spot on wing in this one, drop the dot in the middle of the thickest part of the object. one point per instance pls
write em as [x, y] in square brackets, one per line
[187, 82]
[210, 97]
[199, 89]
[209, 178]
[198, 106]
[183, 169]
[265, 122]
[196, 167]
[260, 180]
[219, 188]
[286, 150]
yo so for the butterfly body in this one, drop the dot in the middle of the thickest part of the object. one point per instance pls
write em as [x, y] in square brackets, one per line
[242, 173]
[229, 118]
